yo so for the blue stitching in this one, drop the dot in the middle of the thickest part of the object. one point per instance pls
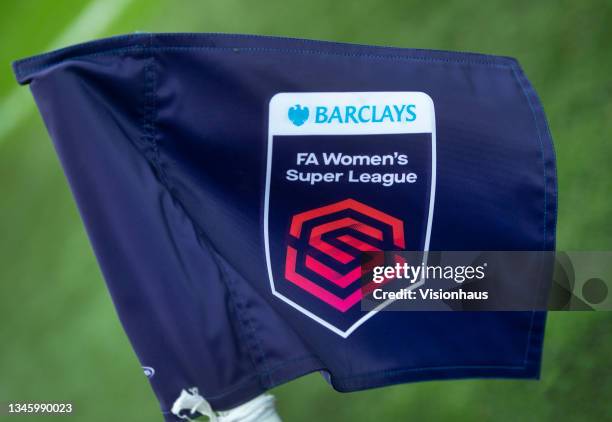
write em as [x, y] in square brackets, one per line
[535, 120]
[337, 44]
[149, 134]
[424, 369]
[533, 114]
[245, 322]
[150, 77]
[21, 70]
[234, 304]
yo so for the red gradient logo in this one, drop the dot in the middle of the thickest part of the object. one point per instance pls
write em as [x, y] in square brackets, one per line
[354, 232]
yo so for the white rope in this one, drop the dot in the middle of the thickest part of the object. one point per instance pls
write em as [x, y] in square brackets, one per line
[260, 409]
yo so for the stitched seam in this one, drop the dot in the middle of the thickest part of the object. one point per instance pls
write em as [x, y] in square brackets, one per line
[117, 51]
[454, 55]
[216, 35]
[150, 134]
[240, 312]
[425, 368]
[528, 348]
[233, 303]
[541, 145]
[528, 98]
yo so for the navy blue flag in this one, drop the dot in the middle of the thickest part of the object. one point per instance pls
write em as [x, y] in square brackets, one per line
[229, 185]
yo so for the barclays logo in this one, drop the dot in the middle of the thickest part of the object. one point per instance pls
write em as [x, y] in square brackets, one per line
[349, 114]
[298, 115]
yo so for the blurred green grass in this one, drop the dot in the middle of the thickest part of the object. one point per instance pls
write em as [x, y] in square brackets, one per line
[60, 337]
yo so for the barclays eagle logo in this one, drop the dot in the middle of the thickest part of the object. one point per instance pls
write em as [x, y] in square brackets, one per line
[298, 115]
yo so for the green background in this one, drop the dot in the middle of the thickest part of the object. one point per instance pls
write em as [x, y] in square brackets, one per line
[60, 339]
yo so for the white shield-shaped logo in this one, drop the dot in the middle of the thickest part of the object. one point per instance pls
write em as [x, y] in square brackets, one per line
[347, 173]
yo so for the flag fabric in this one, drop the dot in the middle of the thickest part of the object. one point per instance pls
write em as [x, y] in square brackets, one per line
[229, 184]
